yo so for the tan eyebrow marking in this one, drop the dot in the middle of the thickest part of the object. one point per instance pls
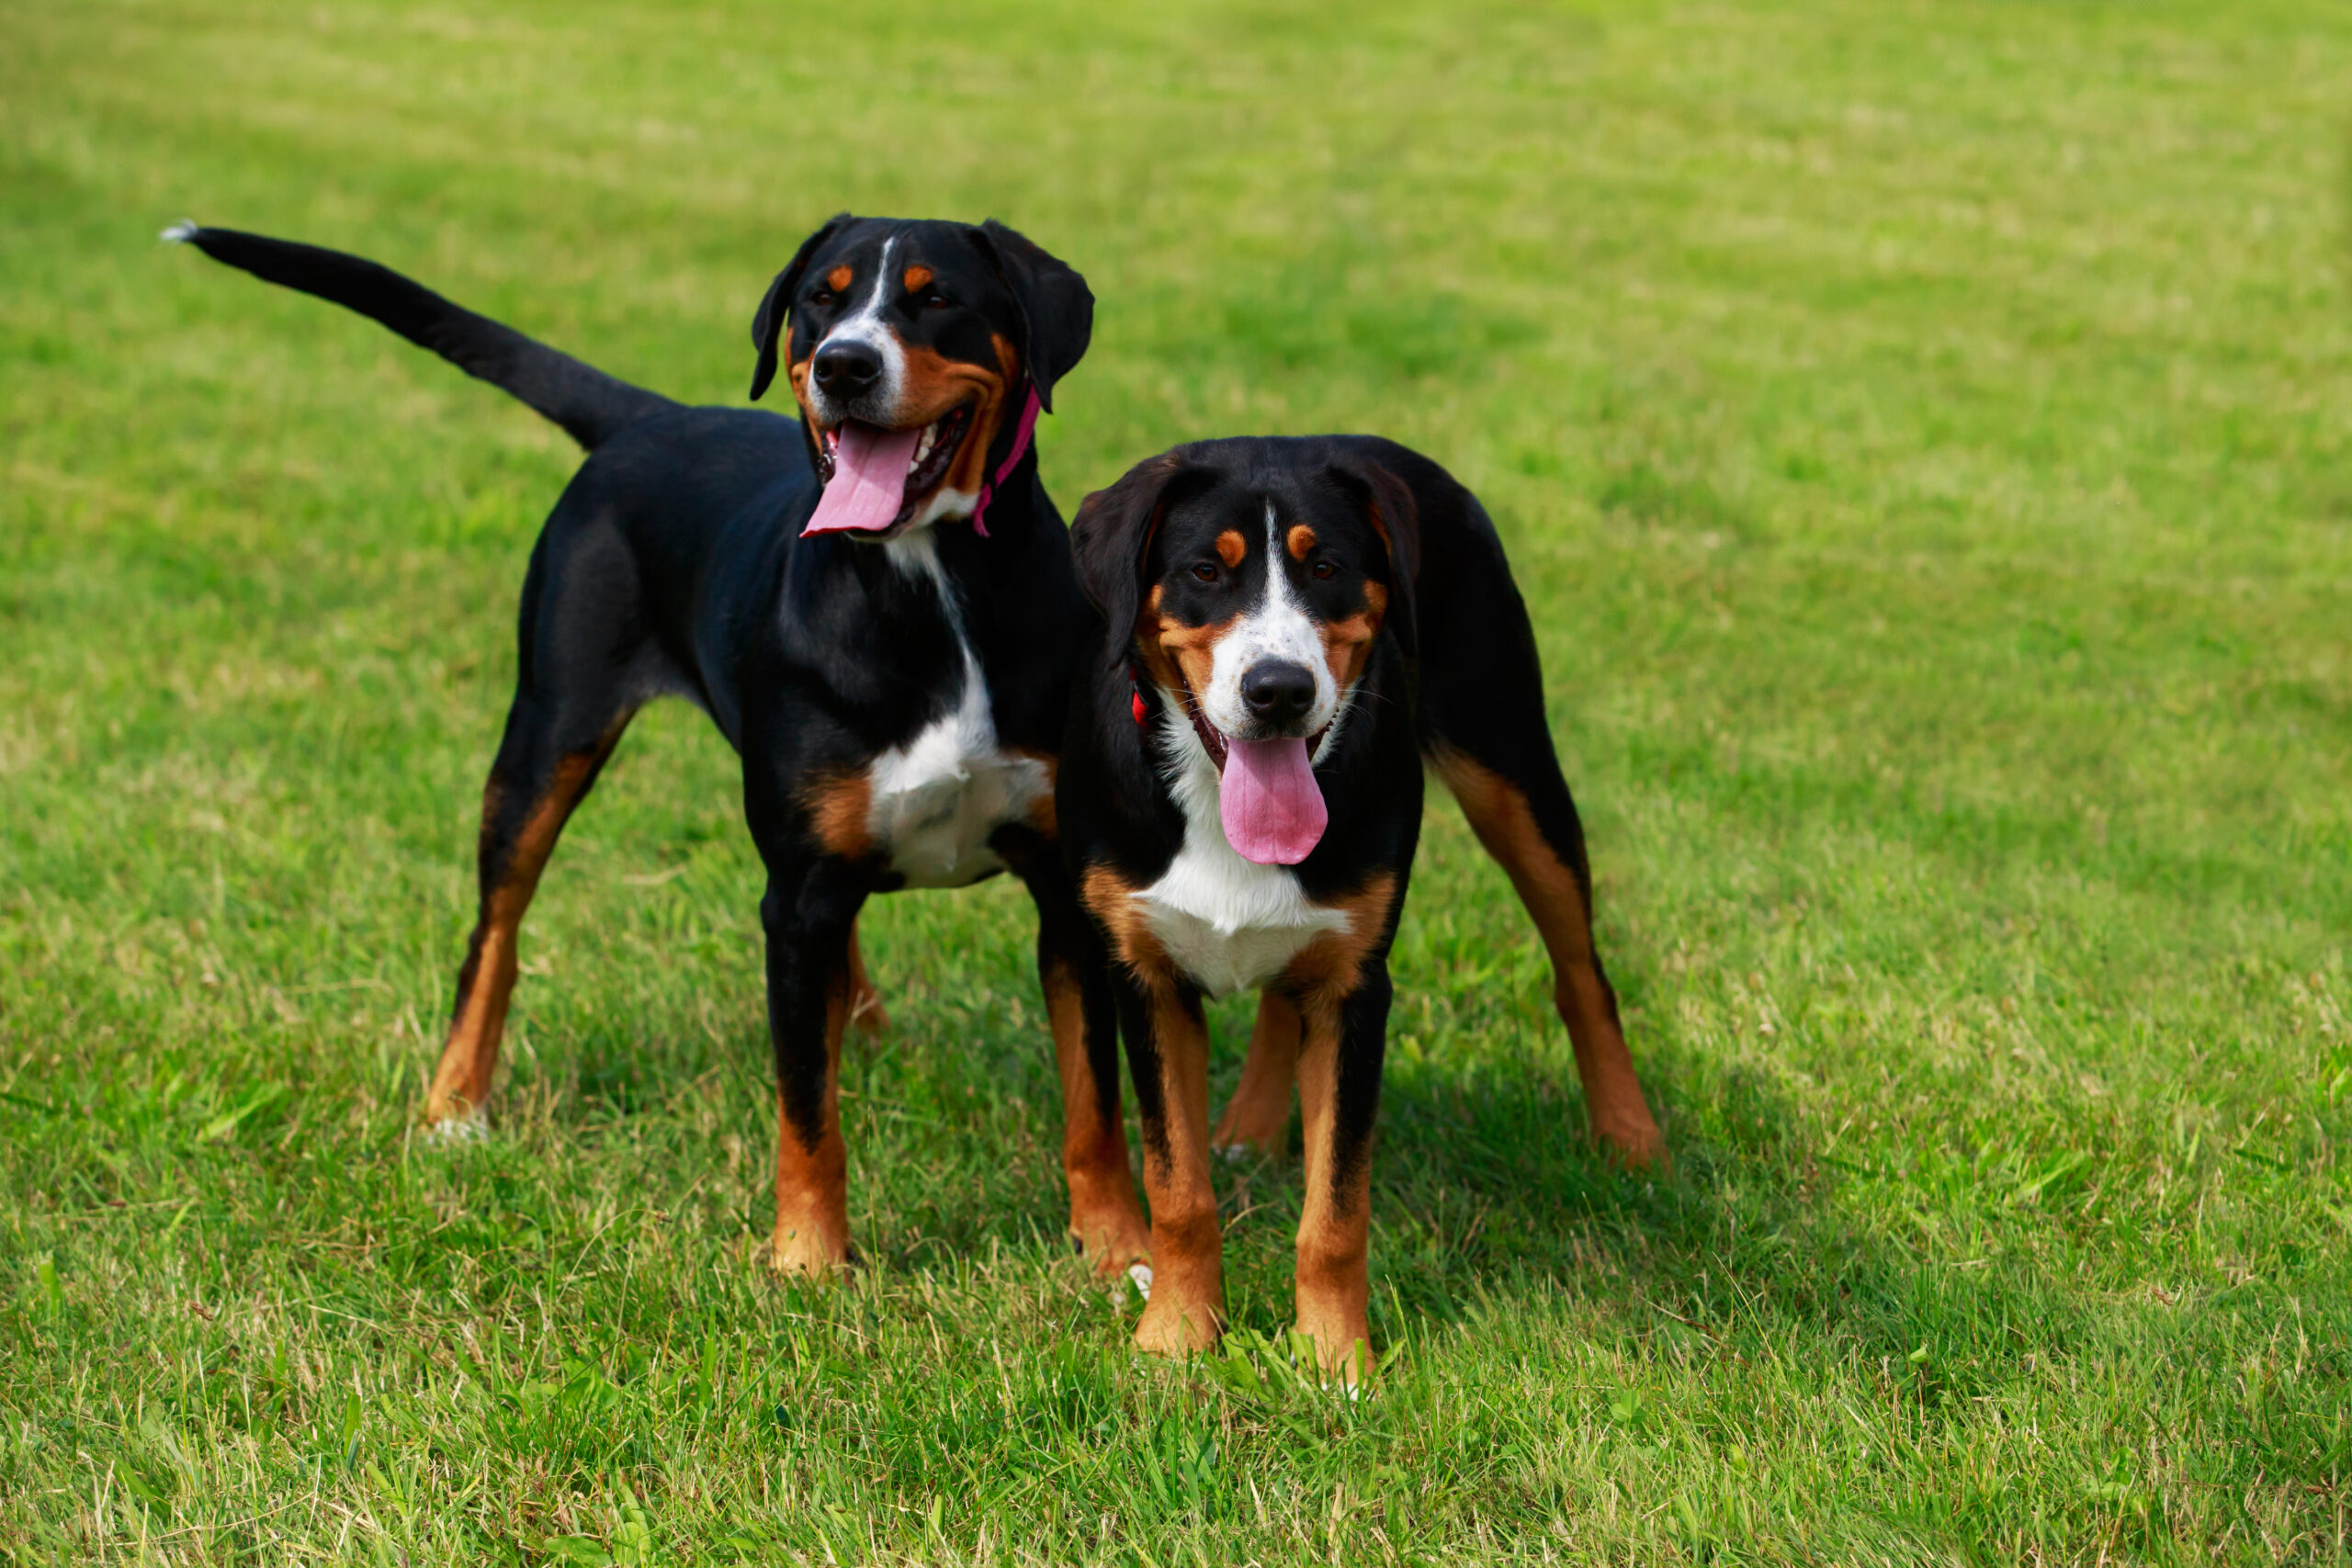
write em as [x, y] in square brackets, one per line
[839, 279]
[918, 278]
[1232, 548]
[1300, 540]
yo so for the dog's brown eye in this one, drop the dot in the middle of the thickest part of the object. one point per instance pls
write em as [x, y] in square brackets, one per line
[1207, 571]
[822, 297]
[1325, 571]
[934, 301]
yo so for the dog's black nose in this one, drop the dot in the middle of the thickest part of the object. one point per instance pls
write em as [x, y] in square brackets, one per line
[1278, 692]
[846, 369]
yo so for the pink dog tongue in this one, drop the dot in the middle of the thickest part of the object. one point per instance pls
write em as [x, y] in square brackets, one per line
[1272, 805]
[869, 480]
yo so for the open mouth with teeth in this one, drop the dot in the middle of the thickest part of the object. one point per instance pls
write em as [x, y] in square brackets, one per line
[1272, 807]
[875, 479]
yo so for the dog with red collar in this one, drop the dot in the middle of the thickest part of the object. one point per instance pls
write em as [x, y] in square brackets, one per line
[1291, 629]
[874, 603]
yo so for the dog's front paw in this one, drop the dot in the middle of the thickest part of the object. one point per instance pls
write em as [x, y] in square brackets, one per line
[804, 1253]
[1112, 1242]
[1170, 1326]
[1341, 1346]
[466, 1125]
[1633, 1142]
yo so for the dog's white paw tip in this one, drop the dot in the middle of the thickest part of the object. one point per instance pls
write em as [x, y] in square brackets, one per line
[1139, 1275]
[466, 1129]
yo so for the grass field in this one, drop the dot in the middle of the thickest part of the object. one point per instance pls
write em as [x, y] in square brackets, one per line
[1924, 432]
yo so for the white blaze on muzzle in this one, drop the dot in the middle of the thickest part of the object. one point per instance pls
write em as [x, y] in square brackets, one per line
[1278, 627]
[1269, 803]
[865, 329]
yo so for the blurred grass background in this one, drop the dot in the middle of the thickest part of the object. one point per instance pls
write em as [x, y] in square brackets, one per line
[1922, 432]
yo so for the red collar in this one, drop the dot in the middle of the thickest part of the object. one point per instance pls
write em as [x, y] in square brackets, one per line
[1028, 428]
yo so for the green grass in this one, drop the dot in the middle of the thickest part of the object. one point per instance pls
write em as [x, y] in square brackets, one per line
[1925, 433]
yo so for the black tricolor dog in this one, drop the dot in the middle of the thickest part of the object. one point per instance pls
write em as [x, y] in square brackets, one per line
[1292, 627]
[876, 603]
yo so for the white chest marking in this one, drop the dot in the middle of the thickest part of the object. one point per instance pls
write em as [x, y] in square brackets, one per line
[933, 802]
[1228, 923]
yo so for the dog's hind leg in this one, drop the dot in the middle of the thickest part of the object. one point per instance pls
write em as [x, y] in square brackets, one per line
[546, 765]
[1485, 733]
[1527, 820]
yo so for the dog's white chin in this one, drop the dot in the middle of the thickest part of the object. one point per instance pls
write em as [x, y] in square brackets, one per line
[944, 505]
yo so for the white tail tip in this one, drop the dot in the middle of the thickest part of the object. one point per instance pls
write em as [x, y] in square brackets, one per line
[180, 233]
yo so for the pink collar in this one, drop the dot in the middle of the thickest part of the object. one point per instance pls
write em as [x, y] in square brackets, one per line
[1028, 428]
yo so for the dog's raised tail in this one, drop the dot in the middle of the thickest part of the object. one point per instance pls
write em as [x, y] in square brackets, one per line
[588, 404]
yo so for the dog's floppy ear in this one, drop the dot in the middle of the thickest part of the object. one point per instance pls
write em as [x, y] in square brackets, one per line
[1387, 503]
[769, 323]
[1057, 308]
[1111, 538]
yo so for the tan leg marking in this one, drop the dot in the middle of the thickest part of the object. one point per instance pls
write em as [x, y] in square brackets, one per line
[1499, 815]
[1187, 1308]
[1186, 1312]
[812, 1184]
[1103, 1213]
[1259, 1113]
[469, 1057]
[1335, 1217]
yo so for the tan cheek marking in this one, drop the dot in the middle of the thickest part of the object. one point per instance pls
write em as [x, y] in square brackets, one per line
[1299, 540]
[936, 384]
[1347, 646]
[839, 279]
[1156, 663]
[917, 277]
[1230, 547]
[1194, 648]
[972, 466]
